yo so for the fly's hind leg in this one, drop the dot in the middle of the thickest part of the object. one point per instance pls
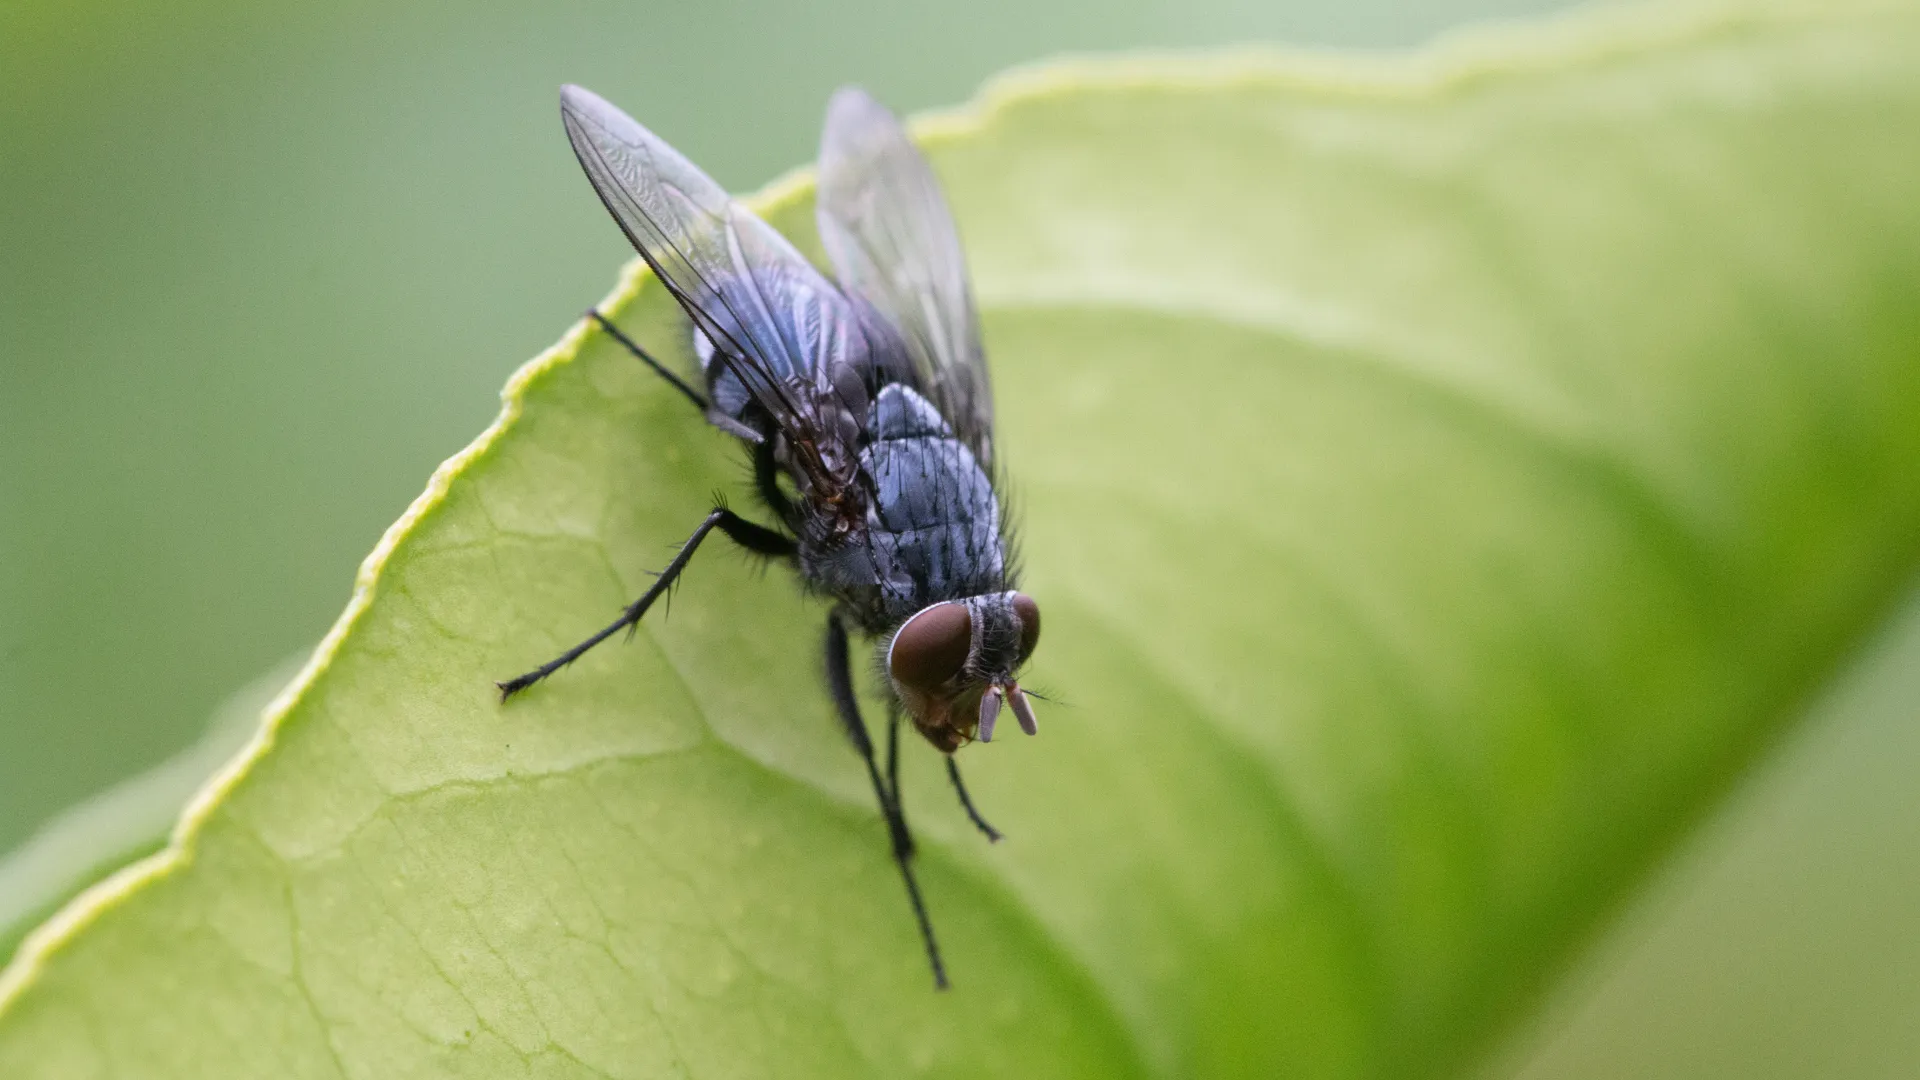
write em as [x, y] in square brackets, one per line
[840, 683]
[755, 538]
[699, 400]
[732, 425]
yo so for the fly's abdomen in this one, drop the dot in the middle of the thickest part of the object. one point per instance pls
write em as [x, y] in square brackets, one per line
[934, 526]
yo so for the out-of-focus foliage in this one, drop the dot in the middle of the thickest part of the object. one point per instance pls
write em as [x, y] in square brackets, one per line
[1775, 949]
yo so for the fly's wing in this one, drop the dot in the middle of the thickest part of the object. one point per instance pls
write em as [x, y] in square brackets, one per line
[887, 230]
[794, 341]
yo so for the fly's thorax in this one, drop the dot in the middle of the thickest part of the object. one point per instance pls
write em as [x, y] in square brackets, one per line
[954, 663]
[933, 522]
[930, 527]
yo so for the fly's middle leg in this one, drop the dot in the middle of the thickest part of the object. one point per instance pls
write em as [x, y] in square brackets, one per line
[755, 538]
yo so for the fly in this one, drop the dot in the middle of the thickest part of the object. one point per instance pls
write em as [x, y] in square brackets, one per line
[869, 396]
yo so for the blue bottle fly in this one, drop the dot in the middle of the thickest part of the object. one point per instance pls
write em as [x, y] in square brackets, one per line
[868, 397]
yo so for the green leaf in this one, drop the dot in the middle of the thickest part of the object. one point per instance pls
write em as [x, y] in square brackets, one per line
[1442, 476]
[127, 821]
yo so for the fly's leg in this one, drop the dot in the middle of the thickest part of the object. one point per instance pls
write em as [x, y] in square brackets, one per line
[953, 773]
[756, 538]
[766, 477]
[729, 424]
[966, 802]
[840, 684]
[893, 773]
[660, 369]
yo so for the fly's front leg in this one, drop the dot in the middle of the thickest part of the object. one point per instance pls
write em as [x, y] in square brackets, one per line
[840, 684]
[755, 538]
[893, 773]
[966, 802]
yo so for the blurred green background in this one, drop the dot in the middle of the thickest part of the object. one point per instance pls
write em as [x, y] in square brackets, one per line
[263, 266]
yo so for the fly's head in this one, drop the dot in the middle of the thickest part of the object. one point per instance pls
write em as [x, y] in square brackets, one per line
[953, 665]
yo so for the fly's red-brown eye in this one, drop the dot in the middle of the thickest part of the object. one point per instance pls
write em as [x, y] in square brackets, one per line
[932, 646]
[1028, 613]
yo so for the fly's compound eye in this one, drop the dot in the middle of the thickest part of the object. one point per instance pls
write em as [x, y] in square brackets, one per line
[1028, 613]
[931, 647]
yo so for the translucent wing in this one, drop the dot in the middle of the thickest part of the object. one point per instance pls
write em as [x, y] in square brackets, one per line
[794, 341]
[887, 229]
